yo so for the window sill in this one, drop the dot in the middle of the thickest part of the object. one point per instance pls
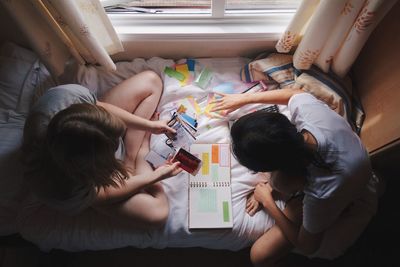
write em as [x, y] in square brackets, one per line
[268, 27]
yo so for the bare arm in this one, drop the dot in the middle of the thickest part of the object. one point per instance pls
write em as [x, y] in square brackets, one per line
[294, 232]
[231, 102]
[134, 184]
[133, 121]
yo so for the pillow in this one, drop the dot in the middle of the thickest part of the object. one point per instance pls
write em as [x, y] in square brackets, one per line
[21, 77]
[322, 91]
[276, 67]
[335, 92]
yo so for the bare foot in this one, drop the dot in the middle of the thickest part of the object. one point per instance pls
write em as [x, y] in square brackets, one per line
[252, 205]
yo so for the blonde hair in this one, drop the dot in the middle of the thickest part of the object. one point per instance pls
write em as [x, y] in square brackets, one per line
[77, 148]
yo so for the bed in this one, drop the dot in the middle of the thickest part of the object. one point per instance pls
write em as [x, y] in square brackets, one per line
[89, 230]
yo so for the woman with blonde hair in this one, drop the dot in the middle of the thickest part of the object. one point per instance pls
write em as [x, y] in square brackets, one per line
[80, 152]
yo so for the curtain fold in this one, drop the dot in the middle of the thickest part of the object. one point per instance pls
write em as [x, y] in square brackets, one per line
[331, 34]
[58, 29]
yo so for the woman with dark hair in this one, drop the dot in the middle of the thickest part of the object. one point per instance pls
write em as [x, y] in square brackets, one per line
[80, 152]
[316, 153]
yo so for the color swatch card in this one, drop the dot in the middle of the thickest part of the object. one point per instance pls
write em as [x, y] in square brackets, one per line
[210, 196]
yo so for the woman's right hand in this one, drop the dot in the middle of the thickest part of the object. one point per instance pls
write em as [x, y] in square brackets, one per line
[168, 170]
[160, 127]
[229, 102]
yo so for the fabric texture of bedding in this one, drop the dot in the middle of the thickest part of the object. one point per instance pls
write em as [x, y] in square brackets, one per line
[90, 230]
[21, 77]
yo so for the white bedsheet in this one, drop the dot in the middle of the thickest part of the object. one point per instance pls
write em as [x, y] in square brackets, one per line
[91, 231]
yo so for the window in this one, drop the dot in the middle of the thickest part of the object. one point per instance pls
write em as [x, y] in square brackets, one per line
[213, 8]
[219, 20]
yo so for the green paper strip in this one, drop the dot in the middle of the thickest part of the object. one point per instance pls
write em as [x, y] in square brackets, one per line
[225, 208]
[173, 73]
[204, 78]
[214, 172]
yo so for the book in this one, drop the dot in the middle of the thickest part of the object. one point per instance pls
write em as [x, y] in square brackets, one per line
[210, 195]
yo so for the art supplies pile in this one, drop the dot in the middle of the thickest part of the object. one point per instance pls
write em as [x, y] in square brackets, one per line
[184, 73]
[187, 110]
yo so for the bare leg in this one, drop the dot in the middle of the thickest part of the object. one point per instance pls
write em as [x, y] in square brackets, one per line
[142, 166]
[273, 245]
[144, 210]
[139, 95]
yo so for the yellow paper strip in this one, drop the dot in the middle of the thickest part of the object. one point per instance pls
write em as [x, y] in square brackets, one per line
[205, 169]
[183, 68]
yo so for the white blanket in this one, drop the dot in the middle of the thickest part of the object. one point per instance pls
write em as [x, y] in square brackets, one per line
[91, 231]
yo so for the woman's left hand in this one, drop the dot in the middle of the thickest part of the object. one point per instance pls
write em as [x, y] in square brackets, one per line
[160, 127]
[228, 102]
[263, 194]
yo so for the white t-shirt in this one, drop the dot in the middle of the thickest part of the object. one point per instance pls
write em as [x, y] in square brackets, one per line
[328, 193]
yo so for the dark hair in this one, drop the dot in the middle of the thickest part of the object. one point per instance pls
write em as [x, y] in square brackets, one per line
[78, 148]
[267, 141]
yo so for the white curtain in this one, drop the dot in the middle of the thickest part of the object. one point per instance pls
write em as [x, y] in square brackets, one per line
[58, 29]
[331, 33]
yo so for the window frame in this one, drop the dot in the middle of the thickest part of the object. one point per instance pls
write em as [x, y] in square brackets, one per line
[216, 25]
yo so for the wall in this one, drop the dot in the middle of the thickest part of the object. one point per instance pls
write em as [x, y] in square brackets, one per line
[377, 77]
[9, 30]
[177, 49]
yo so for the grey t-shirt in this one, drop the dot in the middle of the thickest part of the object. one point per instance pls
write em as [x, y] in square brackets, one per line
[53, 101]
[328, 193]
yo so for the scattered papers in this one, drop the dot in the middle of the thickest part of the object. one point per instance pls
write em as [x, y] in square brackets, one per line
[189, 106]
[171, 146]
[233, 87]
[185, 132]
[191, 64]
[173, 73]
[161, 151]
[184, 73]
[204, 78]
[184, 70]
[210, 105]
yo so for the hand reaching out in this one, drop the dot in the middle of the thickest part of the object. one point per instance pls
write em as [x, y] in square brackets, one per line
[228, 102]
[168, 170]
[160, 127]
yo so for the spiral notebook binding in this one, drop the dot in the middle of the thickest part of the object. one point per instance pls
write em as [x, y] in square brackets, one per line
[221, 184]
[198, 184]
[214, 184]
[273, 108]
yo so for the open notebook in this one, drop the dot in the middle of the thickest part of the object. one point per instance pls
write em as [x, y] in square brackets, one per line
[210, 197]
